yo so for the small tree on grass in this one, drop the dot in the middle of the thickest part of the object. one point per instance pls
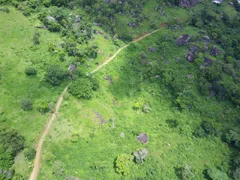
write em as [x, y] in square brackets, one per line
[30, 71]
[81, 88]
[55, 75]
[42, 106]
[186, 172]
[29, 153]
[123, 164]
[26, 104]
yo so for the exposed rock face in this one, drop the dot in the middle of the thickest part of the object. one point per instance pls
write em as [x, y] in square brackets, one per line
[183, 40]
[189, 3]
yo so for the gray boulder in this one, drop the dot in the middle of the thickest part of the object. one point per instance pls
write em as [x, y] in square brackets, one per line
[140, 156]
[183, 40]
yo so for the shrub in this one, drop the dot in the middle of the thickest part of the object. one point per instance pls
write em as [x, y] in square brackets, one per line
[26, 104]
[232, 138]
[123, 164]
[36, 37]
[55, 75]
[42, 106]
[30, 71]
[215, 174]
[30, 153]
[81, 88]
[204, 130]
[186, 172]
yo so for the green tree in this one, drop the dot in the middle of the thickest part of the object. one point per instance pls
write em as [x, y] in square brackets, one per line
[30, 153]
[26, 104]
[81, 88]
[55, 75]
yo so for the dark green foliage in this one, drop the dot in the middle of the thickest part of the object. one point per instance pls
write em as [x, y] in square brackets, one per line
[26, 104]
[233, 138]
[30, 153]
[82, 88]
[11, 143]
[204, 130]
[172, 123]
[55, 75]
[30, 71]
[5, 9]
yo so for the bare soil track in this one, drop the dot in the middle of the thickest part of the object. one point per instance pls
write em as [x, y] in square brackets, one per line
[36, 168]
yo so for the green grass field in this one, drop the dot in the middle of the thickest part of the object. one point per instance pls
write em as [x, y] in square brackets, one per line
[78, 146]
[88, 135]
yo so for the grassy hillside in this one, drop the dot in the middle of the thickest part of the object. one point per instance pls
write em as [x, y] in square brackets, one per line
[79, 146]
[184, 97]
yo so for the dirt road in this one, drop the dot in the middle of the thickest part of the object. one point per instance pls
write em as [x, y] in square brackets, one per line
[54, 115]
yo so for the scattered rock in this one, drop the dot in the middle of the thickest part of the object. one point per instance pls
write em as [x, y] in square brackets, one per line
[189, 3]
[96, 24]
[51, 19]
[77, 19]
[177, 59]
[217, 1]
[205, 49]
[215, 51]
[190, 56]
[206, 39]
[152, 49]
[207, 61]
[100, 118]
[41, 27]
[194, 49]
[140, 156]
[72, 68]
[108, 78]
[143, 138]
[183, 40]
[133, 24]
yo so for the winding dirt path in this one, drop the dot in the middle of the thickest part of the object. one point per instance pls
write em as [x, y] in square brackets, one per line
[41, 141]
[36, 168]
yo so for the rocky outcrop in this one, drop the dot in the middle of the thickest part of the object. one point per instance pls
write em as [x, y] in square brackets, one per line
[189, 3]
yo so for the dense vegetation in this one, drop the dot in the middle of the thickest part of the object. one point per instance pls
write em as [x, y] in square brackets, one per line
[166, 108]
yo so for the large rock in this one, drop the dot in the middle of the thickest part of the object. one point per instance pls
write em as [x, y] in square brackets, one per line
[189, 3]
